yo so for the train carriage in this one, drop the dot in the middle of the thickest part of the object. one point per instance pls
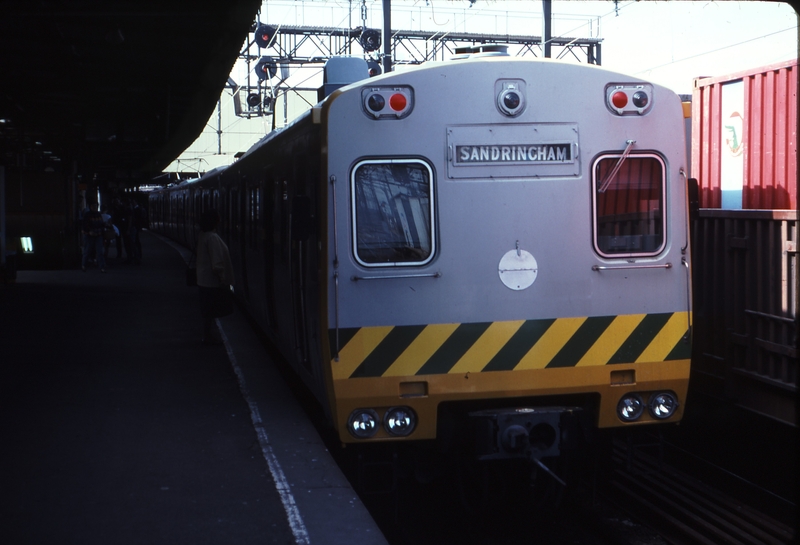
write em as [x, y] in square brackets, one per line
[489, 244]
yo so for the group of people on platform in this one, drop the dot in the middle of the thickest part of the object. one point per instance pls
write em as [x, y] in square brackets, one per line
[214, 269]
[119, 225]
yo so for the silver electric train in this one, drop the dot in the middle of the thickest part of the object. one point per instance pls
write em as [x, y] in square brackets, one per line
[488, 250]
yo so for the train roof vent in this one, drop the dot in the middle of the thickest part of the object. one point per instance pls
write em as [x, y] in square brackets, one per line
[341, 71]
[481, 50]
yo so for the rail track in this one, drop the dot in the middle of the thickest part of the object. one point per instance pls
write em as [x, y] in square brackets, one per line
[685, 509]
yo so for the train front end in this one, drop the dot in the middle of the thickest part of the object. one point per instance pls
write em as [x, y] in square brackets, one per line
[507, 243]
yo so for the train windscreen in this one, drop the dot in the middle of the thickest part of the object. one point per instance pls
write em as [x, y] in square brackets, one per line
[392, 206]
[629, 205]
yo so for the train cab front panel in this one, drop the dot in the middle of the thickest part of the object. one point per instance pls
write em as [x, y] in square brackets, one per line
[504, 234]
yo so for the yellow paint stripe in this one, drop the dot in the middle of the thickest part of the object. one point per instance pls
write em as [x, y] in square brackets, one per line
[611, 340]
[666, 339]
[486, 347]
[551, 342]
[360, 346]
[421, 350]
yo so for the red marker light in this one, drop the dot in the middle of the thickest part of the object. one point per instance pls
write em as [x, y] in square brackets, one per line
[398, 102]
[387, 103]
[619, 99]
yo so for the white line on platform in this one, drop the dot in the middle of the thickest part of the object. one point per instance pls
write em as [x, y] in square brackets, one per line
[292, 512]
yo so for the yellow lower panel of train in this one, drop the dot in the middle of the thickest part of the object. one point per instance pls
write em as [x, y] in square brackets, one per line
[423, 366]
[424, 394]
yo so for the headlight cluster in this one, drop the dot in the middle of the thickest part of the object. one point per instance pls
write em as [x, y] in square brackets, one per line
[397, 421]
[660, 405]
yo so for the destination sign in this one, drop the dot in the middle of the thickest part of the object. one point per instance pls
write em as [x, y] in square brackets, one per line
[527, 153]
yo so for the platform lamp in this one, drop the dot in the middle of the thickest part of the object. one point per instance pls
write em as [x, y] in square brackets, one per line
[26, 243]
[264, 35]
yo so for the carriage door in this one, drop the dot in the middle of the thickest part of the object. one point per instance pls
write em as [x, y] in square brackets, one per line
[236, 243]
[242, 230]
[298, 228]
[271, 215]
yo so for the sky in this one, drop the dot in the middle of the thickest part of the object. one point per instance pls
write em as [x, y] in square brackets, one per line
[669, 41]
[665, 42]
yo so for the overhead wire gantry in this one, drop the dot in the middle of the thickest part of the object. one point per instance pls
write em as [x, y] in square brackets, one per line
[298, 46]
[417, 46]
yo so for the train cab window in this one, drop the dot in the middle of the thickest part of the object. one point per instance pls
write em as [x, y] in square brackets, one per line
[629, 217]
[392, 206]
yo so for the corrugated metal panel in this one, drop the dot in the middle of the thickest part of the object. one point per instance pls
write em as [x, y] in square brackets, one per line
[744, 135]
[745, 272]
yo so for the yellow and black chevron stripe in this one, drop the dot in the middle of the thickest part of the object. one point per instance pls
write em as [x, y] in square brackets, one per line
[505, 346]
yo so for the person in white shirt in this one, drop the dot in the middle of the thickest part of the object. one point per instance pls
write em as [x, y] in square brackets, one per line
[214, 276]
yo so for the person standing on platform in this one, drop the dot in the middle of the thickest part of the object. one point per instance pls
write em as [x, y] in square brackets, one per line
[120, 222]
[109, 232]
[138, 221]
[214, 276]
[92, 229]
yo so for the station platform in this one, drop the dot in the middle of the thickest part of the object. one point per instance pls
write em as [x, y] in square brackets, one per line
[120, 426]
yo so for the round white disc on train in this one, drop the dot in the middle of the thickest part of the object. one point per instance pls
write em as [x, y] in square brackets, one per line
[518, 269]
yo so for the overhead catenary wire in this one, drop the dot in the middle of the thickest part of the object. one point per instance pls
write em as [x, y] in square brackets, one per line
[718, 49]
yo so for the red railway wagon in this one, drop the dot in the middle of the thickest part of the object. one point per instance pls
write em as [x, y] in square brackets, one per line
[744, 137]
[744, 156]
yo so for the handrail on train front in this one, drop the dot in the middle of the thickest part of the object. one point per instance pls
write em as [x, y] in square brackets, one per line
[335, 268]
[437, 274]
[604, 268]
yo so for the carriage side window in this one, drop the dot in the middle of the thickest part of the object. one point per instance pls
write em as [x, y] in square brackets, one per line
[392, 206]
[629, 217]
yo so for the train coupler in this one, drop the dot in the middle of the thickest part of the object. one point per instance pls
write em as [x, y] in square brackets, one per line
[524, 432]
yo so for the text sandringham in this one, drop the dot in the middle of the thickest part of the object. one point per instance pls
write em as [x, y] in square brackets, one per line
[528, 153]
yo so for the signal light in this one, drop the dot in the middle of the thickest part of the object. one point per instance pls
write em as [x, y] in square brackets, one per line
[374, 69]
[263, 35]
[266, 68]
[370, 39]
[254, 102]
